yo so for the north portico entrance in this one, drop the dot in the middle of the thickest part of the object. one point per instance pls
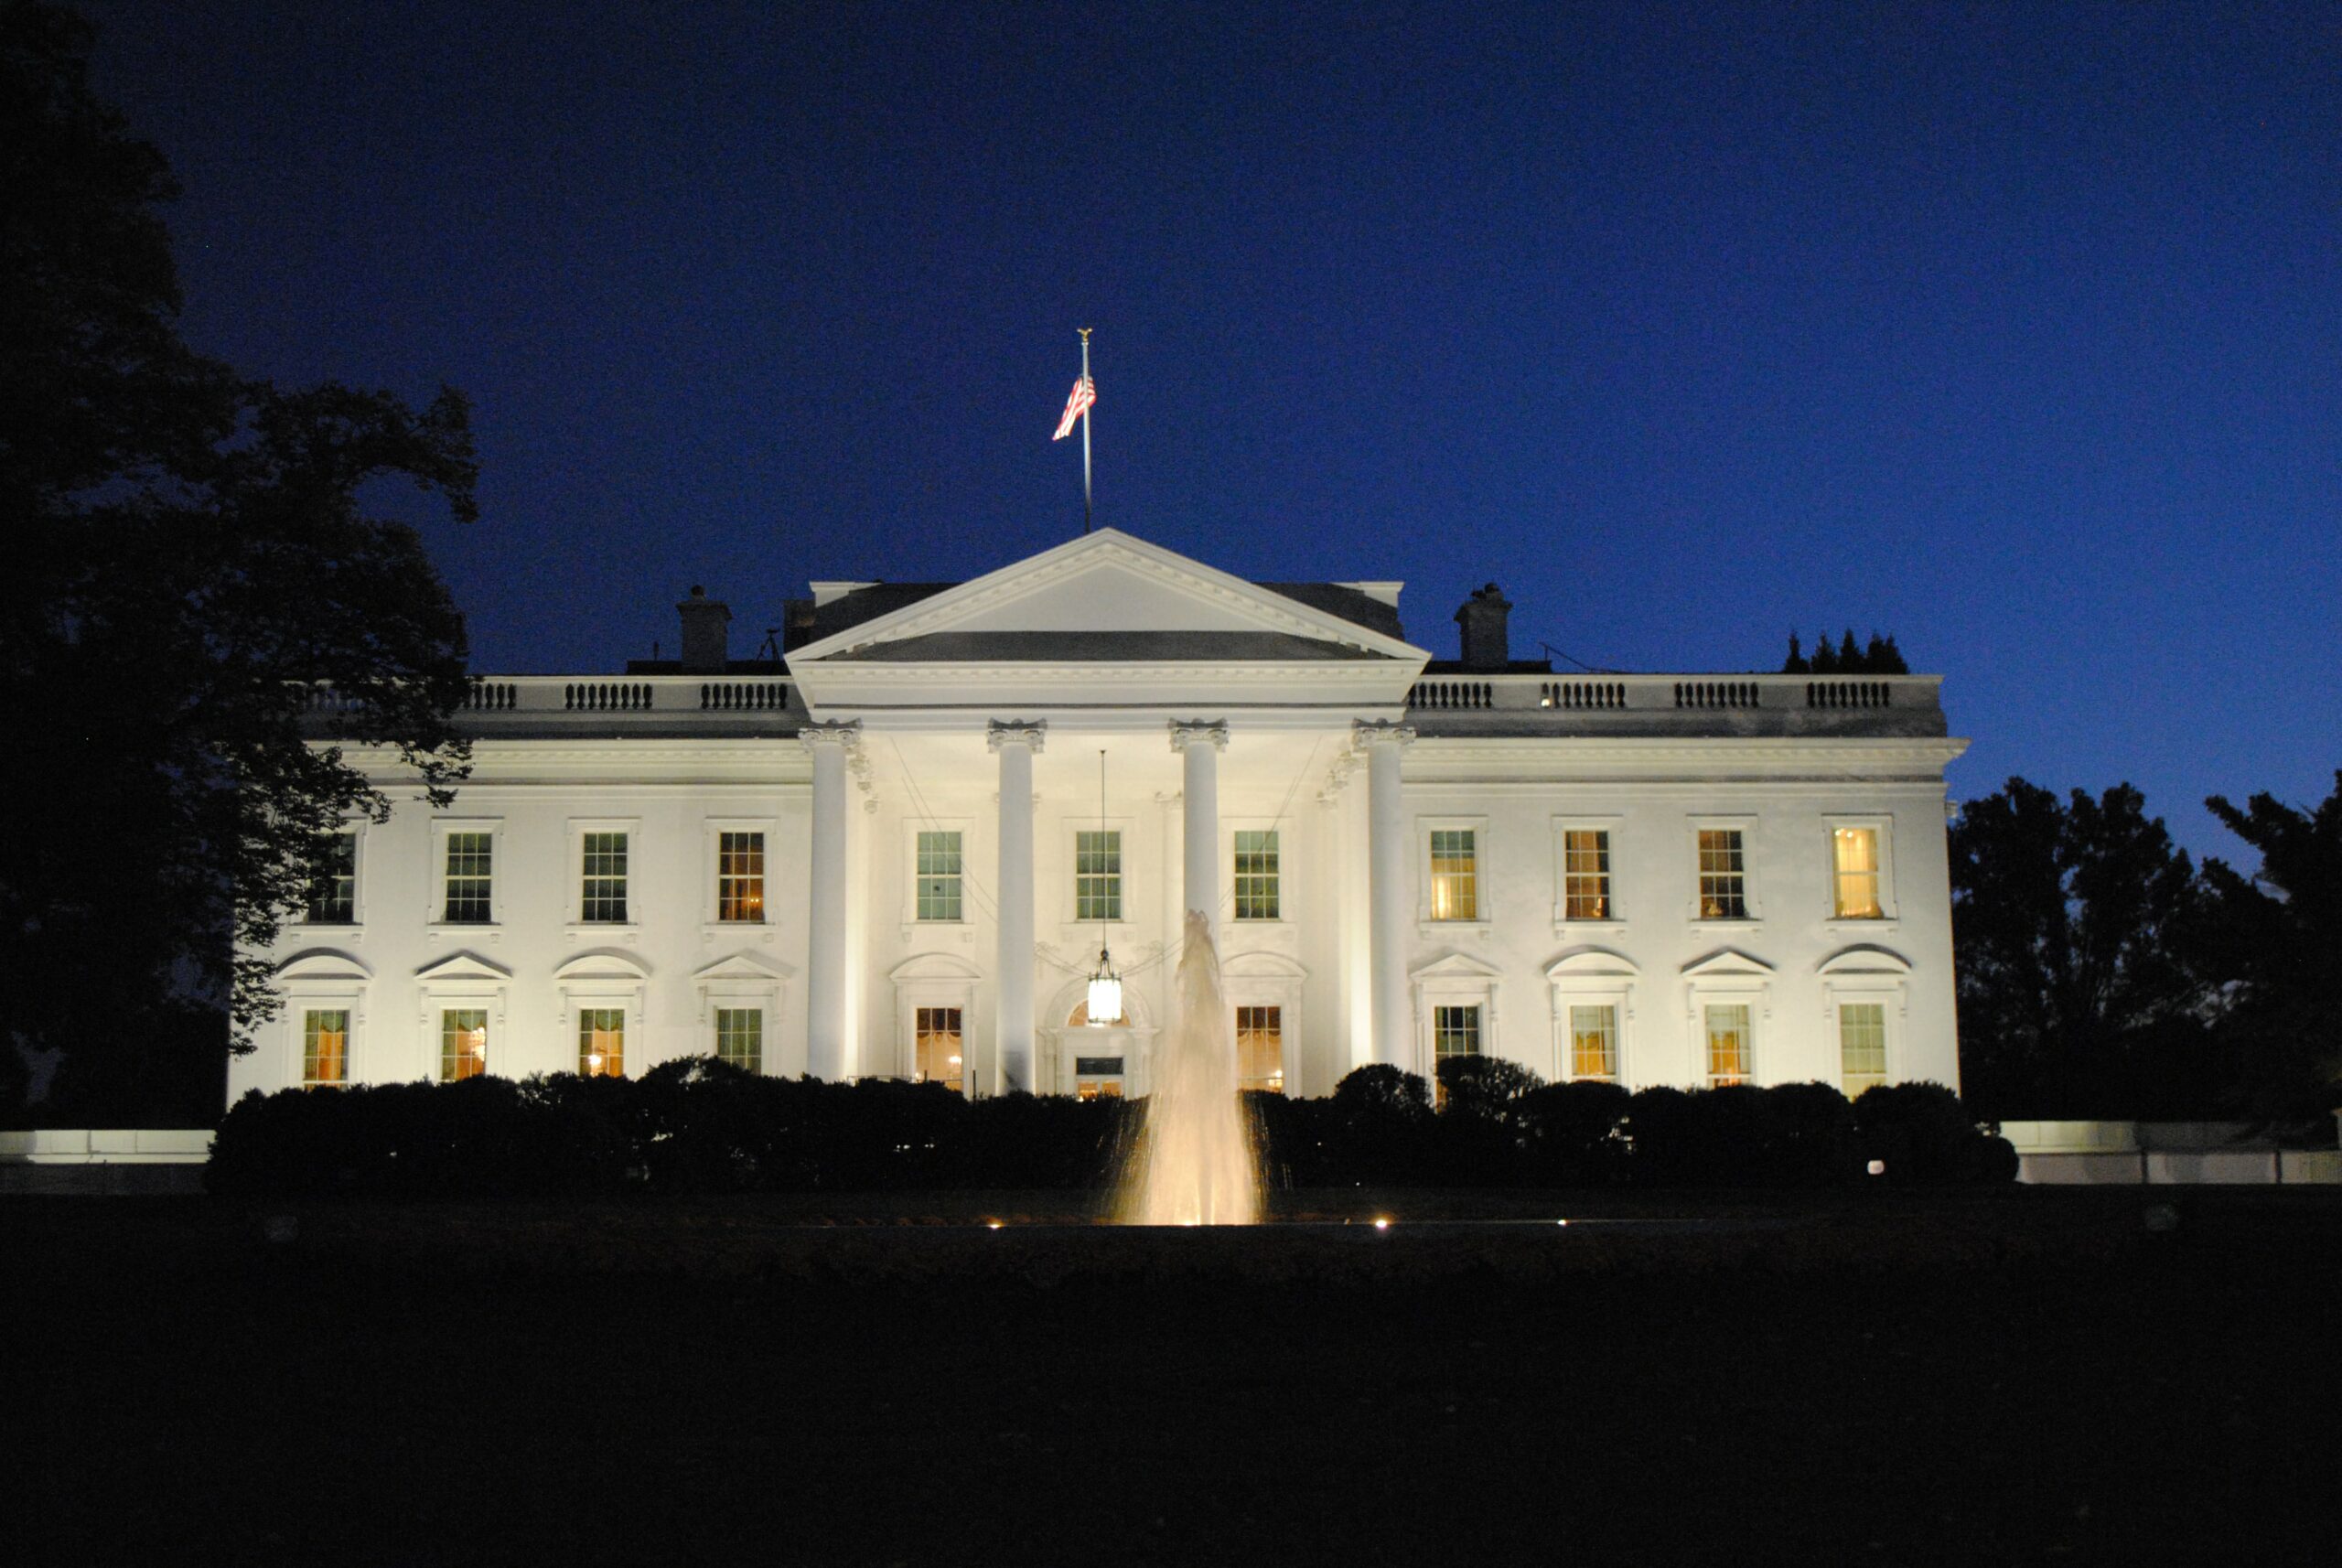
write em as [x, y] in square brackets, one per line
[958, 742]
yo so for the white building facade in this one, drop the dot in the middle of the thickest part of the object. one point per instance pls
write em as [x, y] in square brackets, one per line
[898, 848]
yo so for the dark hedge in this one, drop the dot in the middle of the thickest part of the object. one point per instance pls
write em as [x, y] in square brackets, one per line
[700, 1126]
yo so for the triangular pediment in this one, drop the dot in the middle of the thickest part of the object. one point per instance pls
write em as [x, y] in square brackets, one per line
[741, 966]
[1456, 966]
[1726, 963]
[1105, 597]
[461, 966]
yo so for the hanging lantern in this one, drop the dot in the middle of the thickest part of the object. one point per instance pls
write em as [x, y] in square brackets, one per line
[1105, 992]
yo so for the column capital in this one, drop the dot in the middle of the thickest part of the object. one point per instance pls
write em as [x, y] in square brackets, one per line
[1185, 732]
[1372, 732]
[1032, 732]
[846, 732]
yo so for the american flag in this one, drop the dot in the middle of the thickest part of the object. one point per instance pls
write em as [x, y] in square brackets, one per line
[1085, 393]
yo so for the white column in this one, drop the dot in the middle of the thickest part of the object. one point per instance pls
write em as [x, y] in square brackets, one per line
[1386, 887]
[1199, 743]
[1013, 970]
[825, 929]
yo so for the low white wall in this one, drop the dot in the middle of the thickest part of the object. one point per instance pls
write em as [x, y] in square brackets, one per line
[106, 1146]
[2129, 1154]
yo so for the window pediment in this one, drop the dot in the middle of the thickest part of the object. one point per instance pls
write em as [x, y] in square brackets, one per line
[323, 963]
[1261, 966]
[1864, 958]
[745, 967]
[602, 964]
[1456, 966]
[462, 966]
[1590, 963]
[933, 966]
[1728, 963]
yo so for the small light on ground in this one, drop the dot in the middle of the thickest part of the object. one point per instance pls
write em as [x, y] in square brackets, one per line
[1382, 1225]
[991, 1224]
[1878, 1167]
[1561, 1223]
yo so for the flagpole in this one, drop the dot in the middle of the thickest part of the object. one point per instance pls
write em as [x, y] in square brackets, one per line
[1085, 434]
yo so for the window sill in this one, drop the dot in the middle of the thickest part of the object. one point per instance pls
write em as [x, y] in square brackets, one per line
[1456, 928]
[627, 931]
[323, 931]
[1748, 926]
[1564, 928]
[1853, 926]
[491, 930]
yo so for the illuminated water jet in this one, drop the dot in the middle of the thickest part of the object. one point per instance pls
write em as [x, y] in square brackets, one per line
[1195, 1163]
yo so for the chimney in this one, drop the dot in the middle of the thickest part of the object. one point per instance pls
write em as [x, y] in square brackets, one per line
[705, 634]
[1486, 645]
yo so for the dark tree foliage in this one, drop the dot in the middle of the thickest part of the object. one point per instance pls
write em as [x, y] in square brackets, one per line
[1880, 656]
[2276, 936]
[191, 550]
[2073, 923]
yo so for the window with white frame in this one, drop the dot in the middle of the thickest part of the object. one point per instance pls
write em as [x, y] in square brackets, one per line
[1854, 864]
[333, 882]
[1260, 1048]
[1098, 873]
[1731, 1051]
[739, 877]
[1259, 884]
[602, 891]
[1455, 874]
[1724, 874]
[937, 895]
[1454, 1031]
[463, 1043]
[1594, 1041]
[741, 1038]
[601, 1042]
[325, 1048]
[1585, 875]
[1861, 1046]
[940, 1047]
[469, 877]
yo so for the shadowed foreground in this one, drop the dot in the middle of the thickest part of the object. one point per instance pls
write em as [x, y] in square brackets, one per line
[1935, 1377]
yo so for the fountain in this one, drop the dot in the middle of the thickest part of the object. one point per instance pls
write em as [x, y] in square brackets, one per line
[1195, 1163]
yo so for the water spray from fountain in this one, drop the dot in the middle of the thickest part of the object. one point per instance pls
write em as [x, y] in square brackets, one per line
[1196, 1161]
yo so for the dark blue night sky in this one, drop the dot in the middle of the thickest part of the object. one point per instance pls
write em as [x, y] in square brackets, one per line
[2011, 330]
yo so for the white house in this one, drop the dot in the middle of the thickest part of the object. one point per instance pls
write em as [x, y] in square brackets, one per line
[899, 847]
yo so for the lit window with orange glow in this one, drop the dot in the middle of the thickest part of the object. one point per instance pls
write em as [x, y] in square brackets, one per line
[463, 1043]
[1585, 875]
[1729, 1055]
[1455, 874]
[740, 878]
[1594, 1043]
[940, 1047]
[1855, 859]
[325, 1048]
[1861, 1046]
[601, 1042]
[1260, 1048]
[1723, 875]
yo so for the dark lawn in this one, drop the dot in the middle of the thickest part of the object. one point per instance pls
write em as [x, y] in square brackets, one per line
[1886, 1378]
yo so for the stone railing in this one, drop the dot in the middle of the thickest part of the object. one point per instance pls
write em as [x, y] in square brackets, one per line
[524, 699]
[1599, 700]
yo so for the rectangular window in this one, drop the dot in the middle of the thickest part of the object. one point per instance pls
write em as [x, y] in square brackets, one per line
[1098, 875]
[1258, 895]
[1455, 874]
[741, 1038]
[1861, 1045]
[325, 1048]
[1260, 1048]
[1723, 875]
[463, 1043]
[1593, 1042]
[941, 1049]
[601, 1042]
[602, 897]
[939, 876]
[740, 878]
[1585, 875]
[471, 879]
[1455, 1031]
[1855, 858]
[333, 888]
[1729, 1054]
